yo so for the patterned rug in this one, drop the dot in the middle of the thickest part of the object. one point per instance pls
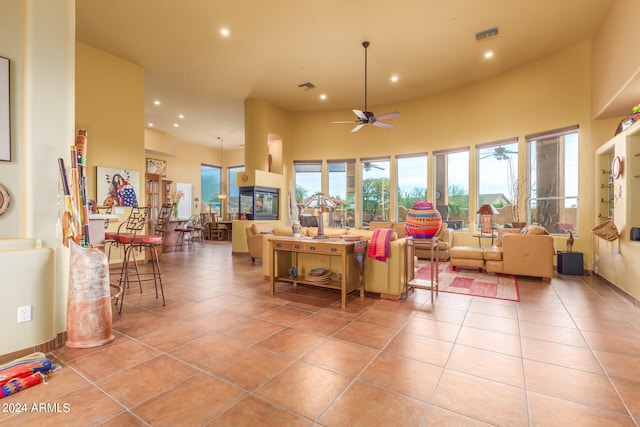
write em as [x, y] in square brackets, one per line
[472, 282]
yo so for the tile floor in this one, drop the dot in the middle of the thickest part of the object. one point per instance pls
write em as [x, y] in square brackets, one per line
[225, 352]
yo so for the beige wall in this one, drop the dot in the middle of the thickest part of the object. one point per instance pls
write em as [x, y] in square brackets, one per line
[110, 106]
[38, 38]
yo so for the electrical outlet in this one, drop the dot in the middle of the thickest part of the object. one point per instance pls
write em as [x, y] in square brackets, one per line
[24, 314]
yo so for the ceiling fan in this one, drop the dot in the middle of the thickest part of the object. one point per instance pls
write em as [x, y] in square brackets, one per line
[500, 153]
[367, 166]
[367, 117]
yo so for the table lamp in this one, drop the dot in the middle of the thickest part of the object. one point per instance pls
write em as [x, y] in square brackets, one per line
[319, 201]
[486, 212]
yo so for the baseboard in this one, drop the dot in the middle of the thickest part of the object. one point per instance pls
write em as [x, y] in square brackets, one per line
[46, 347]
[633, 300]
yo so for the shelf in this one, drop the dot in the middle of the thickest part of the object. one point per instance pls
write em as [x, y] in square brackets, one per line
[333, 284]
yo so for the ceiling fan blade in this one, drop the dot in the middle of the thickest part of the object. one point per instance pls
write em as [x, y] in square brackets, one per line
[360, 114]
[357, 128]
[382, 125]
[347, 121]
[388, 115]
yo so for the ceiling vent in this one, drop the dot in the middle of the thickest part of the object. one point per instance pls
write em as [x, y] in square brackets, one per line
[489, 34]
[307, 86]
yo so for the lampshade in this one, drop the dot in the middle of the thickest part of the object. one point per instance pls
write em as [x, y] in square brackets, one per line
[487, 209]
[319, 200]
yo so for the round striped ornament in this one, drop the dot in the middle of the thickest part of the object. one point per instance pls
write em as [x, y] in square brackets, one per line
[423, 220]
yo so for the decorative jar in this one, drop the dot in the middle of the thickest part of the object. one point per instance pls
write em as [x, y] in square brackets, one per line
[296, 228]
[423, 220]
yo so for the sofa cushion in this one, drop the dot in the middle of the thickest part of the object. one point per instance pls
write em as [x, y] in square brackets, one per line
[329, 232]
[535, 230]
[284, 231]
[466, 252]
[493, 253]
[262, 227]
[380, 224]
[502, 232]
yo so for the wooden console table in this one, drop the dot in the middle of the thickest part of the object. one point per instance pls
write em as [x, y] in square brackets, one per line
[285, 251]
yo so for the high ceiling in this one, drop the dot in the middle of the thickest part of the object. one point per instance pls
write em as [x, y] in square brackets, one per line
[276, 45]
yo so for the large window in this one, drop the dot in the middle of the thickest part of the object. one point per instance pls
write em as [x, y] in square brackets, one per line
[375, 190]
[342, 190]
[210, 188]
[452, 187]
[308, 178]
[412, 182]
[553, 185]
[234, 193]
[498, 179]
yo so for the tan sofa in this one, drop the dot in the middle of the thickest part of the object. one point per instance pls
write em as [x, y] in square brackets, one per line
[384, 278]
[445, 237]
[520, 254]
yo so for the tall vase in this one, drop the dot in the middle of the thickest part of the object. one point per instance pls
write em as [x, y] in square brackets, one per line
[89, 299]
[174, 208]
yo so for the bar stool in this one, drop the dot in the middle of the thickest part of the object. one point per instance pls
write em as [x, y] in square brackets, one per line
[186, 236]
[135, 239]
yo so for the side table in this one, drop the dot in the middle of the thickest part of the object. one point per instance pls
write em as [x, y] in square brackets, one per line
[570, 263]
[411, 281]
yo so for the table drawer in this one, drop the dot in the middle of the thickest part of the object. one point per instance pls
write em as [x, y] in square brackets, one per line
[324, 248]
[288, 246]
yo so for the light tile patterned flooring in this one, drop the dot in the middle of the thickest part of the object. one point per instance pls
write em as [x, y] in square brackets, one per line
[225, 352]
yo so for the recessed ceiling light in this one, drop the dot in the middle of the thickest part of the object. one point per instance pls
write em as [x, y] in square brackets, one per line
[488, 54]
[181, 116]
[224, 32]
[323, 97]
[150, 125]
[394, 78]
[175, 125]
[156, 102]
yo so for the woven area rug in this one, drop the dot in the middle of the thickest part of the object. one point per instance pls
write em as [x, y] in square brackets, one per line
[472, 282]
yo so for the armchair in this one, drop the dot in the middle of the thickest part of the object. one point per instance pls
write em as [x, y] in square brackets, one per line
[254, 238]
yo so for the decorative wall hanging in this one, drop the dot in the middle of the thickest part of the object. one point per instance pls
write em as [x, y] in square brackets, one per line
[5, 199]
[158, 167]
[5, 122]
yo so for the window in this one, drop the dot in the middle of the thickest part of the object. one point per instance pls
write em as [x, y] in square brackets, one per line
[553, 194]
[375, 190]
[412, 182]
[452, 187]
[210, 188]
[308, 178]
[342, 190]
[498, 179]
[234, 192]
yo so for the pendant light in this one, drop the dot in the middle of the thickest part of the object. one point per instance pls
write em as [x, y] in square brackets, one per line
[222, 195]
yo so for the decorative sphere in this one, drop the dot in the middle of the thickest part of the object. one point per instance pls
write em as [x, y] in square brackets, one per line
[423, 220]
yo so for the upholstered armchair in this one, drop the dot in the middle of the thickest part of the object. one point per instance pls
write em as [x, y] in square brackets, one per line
[255, 235]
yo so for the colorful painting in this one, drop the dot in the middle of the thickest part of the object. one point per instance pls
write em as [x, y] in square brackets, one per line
[117, 187]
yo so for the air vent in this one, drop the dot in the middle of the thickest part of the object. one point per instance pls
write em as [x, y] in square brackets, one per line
[307, 86]
[491, 33]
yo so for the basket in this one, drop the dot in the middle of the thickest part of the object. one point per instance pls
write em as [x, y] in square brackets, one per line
[607, 231]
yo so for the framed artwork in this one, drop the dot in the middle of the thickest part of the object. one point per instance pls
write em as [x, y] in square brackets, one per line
[5, 122]
[117, 187]
[158, 167]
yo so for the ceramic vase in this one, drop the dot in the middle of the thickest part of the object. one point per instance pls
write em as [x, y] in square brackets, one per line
[423, 220]
[89, 299]
[296, 228]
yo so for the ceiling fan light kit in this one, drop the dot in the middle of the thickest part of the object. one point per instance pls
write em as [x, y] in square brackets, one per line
[367, 117]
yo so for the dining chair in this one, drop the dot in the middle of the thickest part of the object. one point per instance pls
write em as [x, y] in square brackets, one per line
[217, 229]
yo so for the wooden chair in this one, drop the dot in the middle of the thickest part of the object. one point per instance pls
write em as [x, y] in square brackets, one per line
[217, 229]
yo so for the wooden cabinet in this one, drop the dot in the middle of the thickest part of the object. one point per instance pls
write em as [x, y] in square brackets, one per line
[154, 198]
